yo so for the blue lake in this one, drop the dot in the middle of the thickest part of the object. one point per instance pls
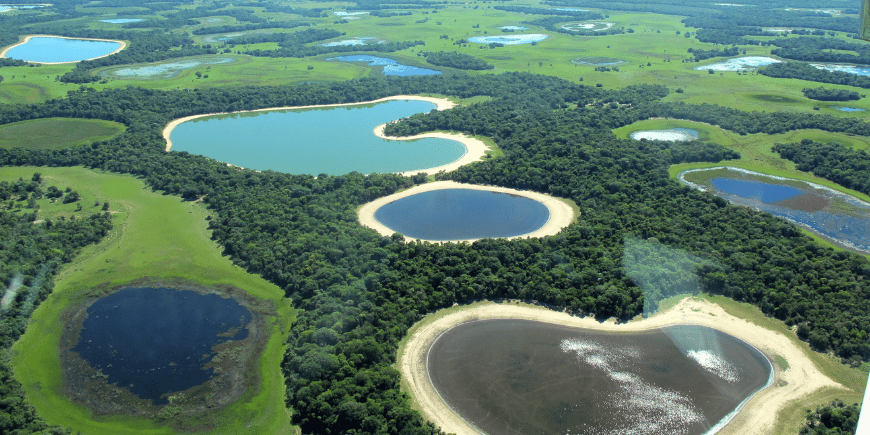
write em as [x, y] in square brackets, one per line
[838, 217]
[860, 70]
[156, 341]
[509, 39]
[390, 66]
[122, 20]
[46, 49]
[463, 214]
[334, 140]
[849, 109]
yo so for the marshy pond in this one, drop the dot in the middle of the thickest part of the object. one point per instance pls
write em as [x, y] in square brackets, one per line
[330, 140]
[389, 66]
[509, 39]
[745, 63]
[462, 214]
[672, 134]
[598, 61]
[165, 70]
[51, 49]
[525, 377]
[860, 70]
[838, 217]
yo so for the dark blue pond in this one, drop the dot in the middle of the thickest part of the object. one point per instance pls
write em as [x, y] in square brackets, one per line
[764, 192]
[462, 214]
[391, 67]
[156, 341]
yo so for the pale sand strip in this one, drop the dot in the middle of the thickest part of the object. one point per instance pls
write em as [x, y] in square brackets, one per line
[561, 214]
[440, 104]
[475, 149]
[758, 415]
[28, 37]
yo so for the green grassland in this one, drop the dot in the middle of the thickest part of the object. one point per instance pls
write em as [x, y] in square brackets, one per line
[154, 236]
[57, 133]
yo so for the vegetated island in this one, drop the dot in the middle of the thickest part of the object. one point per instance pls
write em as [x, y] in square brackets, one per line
[29, 37]
[757, 415]
[561, 214]
[475, 149]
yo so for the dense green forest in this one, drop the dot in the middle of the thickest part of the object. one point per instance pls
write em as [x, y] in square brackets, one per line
[834, 419]
[824, 94]
[804, 71]
[30, 255]
[360, 292]
[456, 60]
[845, 166]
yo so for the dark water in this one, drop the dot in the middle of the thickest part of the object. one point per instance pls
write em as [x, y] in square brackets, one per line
[764, 192]
[156, 341]
[460, 214]
[524, 377]
[391, 67]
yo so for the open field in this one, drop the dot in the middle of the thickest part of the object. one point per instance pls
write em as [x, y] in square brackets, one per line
[154, 236]
[57, 133]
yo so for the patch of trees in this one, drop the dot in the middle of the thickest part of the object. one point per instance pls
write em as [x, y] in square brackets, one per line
[813, 50]
[456, 60]
[824, 94]
[30, 255]
[804, 71]
[845, 166]
[699, 55]
[834, 419]
[359, 292]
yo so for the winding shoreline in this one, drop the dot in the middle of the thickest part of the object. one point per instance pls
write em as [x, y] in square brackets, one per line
[475, 149]
[561, 214]
[29, 37]
[757, 416]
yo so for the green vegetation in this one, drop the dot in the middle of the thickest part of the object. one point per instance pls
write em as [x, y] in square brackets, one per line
[847, 167]
[822, 94]
[836, 418]
[57, 133]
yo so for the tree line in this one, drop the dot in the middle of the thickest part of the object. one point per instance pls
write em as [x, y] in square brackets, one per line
[805, 71]
[845, 166]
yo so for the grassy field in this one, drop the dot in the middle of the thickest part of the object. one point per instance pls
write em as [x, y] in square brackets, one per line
[57, 133]
[154, 236]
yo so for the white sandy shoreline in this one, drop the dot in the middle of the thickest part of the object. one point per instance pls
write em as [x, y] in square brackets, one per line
[561, 214]
[474, 148]
[758, 415]
[29, 37]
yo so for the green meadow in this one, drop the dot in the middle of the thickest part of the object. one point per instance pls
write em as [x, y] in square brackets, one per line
[57, 133]
[155, 236]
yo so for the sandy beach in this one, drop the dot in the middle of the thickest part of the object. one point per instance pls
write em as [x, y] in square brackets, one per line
[29, 37]
[474, 148]
[561, 214]
[758, 415]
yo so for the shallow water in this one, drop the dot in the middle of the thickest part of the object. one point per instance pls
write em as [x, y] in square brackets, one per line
[390, 66]
[673, 134]
[850, 109]
[598, 61]
[51, 49]
[462, 214]
[860, 70]
[156, 341]
[335, 140]
[122, 20]
[513, 28]
[744, 63]
[838, 217]
[509, 39]
[167, 70]
[524, 377]
[596, 26]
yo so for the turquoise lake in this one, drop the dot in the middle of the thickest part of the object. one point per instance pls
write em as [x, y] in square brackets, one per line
[48, 49]
[332, 140]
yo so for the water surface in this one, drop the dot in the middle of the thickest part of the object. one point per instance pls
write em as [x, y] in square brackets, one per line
[390, 66]
[463, 214]
[334, 140]
[744, 63]
[509, 39]
[48, 49]
[155, 341]
[850, 109]
[860, 70]
[523, 377]
[672, 134]
[166, 70]
[122, 20]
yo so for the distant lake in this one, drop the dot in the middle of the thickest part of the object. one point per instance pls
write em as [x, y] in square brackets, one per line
[390, 66]
[155, 341]
[333, 140]
[122, 20]
[849, 109]
[860, 70]
[511, 377]
[744, 63]
[673, 134]
[165, 70]
[462, 214]
[48, 49]
[841, 218]
[509, 39]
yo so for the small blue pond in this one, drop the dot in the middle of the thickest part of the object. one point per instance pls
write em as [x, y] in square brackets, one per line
[156, 341]
[122, 20]
[849, 109]
[391, 67]
[49, 49]
[509, 39]
[463, 214]
[764, 192]
[860, 70]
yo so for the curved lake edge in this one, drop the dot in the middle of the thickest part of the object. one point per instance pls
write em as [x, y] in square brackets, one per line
[561, 214]
[27, 39]
[231, 385]
[475, 149]
[757, 412]
[852, 199]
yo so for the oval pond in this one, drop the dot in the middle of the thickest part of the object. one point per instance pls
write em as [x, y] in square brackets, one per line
[463, 214]
[509, 39]
[673, 134]
[525, 377]
[390, 66]
[50, 49]
[330, 140]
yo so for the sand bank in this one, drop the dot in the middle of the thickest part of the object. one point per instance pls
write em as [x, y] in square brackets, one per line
[475, 149]
[440, 104]
[561, 214]
[758, 415]
[29, 37]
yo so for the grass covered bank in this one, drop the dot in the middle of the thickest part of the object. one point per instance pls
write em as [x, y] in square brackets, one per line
[57, 133]
[155, 236]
